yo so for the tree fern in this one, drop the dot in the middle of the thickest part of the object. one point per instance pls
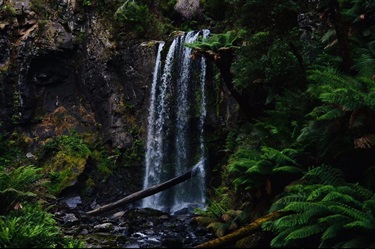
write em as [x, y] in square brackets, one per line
[253, 172]
[332, 87]
[346, 105]
[215, 42]
[337, 213]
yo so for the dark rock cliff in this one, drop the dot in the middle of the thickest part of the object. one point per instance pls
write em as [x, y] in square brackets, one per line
[65, 73]
[62, 69]
[70, 62]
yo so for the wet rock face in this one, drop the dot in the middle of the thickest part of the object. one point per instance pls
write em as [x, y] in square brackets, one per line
[187, 8]
[61, 71]
[69, 60]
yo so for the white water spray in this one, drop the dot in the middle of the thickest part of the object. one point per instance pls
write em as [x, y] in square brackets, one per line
[174, 130]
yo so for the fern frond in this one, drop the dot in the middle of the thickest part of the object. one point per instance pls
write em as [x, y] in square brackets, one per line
[248, 182]
[365, 65]
[261, 167]
[334, 218]
[280, 239]
[279, 156]
[332, 114]
[342, 198]
[304, 206]
[369, 206]
[282, 202]
[241, 165]
[39, 183]
[332, 231]
[329, 35]
[317, 193]
[287, 169]
[362, 224]
[326, 175]
[291, 220]
[348, 211]
[305, 232]
[362, 192]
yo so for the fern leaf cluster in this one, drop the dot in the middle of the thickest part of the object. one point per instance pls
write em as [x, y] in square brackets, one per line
[218, 41]
[343, 113]
[32, 227]
[325, 209]
[254, 172]
[19, 185]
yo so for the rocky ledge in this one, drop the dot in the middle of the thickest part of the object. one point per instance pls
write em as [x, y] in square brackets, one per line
[129, 227]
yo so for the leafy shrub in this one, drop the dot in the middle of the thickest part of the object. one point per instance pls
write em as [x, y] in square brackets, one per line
[137, 18]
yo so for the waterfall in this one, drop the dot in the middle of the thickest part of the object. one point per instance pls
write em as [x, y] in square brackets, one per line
[175, 135]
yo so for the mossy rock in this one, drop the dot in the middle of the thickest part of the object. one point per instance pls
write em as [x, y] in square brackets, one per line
[66, 163]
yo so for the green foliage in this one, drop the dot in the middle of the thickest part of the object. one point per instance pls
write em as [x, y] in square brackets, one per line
[324, 211]
[340, 91]
[10, 149]
[23, 222]
[31, 227]
[218, 206]
[215, 42]
[64, 160]
[7, 10]
[282, 124]
[344, 105]
[254, 169]
[70, 144]
[266, 60]
[220, 216]
[365, 60]
[19, 185]
[136, 17]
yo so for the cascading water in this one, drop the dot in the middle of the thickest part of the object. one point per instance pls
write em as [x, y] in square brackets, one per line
[175, 138]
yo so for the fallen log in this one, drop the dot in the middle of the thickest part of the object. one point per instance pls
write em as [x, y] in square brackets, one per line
[146, 192]
[240, 233]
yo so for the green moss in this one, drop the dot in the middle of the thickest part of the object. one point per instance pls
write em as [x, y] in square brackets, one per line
[8, 10]
[65, 159]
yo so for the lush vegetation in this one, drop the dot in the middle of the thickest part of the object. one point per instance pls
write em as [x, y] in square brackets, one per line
[303, 74]
[24, 221]
[308, 68]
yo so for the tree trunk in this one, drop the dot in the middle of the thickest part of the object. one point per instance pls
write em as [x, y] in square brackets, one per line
[341, 34]
[240, 233]
[144, 193]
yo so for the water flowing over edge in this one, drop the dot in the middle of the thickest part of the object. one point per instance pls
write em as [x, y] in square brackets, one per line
[170, 115]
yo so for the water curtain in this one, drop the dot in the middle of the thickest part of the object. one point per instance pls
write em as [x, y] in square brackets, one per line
[175, 136]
